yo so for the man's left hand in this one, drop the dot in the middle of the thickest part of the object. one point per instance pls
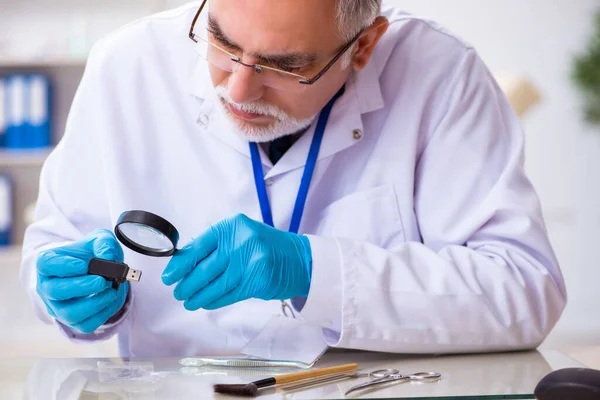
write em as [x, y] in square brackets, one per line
[238, 259]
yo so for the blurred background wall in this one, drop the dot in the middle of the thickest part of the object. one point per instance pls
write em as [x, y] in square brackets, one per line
[529, 45]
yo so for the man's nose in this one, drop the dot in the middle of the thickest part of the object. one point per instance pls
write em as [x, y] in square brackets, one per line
[245, 85]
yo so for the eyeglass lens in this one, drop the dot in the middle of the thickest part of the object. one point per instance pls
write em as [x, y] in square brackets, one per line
[271, 77]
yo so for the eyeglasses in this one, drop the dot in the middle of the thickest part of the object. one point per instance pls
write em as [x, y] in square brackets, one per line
[273, 77]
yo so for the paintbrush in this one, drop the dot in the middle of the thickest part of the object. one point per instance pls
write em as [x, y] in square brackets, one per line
[251, 389]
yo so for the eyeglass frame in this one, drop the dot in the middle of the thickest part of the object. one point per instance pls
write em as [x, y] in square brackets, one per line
[304, 80]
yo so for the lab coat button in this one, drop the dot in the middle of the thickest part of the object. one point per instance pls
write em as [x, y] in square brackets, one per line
[203, 119]
[357, 134]
[270, 182]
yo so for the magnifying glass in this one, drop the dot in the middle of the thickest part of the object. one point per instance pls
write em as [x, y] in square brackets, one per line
[142, 232]
[147, 233]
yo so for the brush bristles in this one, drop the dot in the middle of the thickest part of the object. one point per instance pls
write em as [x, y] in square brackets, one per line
[248, 390]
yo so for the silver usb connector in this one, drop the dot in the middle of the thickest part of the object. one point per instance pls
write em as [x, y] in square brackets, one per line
[134, 275]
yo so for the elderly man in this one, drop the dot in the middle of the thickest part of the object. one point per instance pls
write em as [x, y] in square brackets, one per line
[357, 166]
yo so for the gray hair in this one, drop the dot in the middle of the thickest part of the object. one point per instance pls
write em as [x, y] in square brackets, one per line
[352, 16]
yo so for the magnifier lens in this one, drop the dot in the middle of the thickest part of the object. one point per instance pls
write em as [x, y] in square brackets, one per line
[146, 237]
[147, 233]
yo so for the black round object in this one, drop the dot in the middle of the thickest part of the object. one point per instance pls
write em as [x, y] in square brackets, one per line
[569, 384]
[147, 220]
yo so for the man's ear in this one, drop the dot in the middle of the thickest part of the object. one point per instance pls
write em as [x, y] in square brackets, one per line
[368, 41]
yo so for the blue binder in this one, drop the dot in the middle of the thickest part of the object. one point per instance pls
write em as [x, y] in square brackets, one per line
[39, 96]
[27, 111]
[6, 210]
[15, 136]
[3, 110]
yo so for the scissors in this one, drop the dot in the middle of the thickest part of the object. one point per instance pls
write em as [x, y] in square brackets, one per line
[383, 376]
[378, 376]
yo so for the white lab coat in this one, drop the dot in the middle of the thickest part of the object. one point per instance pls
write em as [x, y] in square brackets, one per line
[427, 236]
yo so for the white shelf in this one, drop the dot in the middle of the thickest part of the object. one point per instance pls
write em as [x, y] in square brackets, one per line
[42, 62]
[24, 157]
[10, 255]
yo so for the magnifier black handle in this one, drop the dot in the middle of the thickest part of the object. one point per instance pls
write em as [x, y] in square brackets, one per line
[113, 271]
[569, 384]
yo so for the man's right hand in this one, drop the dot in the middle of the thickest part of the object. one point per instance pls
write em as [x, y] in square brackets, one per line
[80, 301]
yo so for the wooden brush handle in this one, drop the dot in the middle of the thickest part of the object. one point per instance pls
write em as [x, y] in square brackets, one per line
[298, 376]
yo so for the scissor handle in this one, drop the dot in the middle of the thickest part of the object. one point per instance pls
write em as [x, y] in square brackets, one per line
[425, 376]
[384, 373]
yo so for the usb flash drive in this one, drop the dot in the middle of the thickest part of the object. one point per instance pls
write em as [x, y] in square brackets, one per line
[113, 271]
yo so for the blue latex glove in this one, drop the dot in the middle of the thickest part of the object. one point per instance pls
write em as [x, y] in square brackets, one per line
[239, 259]
[80, 301]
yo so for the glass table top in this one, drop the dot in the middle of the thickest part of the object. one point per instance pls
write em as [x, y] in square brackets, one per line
[484, 376]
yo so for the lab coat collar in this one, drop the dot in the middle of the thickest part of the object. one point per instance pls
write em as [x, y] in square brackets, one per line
[344, 128]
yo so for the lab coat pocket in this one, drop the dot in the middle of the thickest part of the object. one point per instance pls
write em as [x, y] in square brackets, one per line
[371, 215]
[288, 339]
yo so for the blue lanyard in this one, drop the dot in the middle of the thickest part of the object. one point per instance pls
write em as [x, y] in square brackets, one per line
[311, 161]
